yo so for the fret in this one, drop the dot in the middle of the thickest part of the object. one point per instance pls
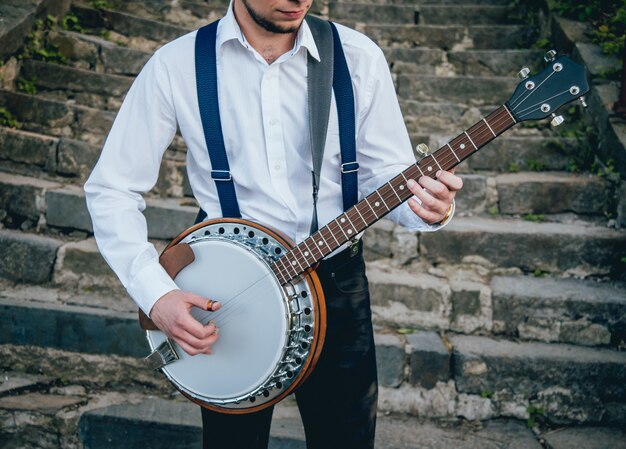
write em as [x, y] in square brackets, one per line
[370, 206]
[308, 248]
[365, 223]
[286, 267]
[295, 260]
[470, 139]
[394, 191]
[457, 158]
[436, 161]
[333, 234]
[382, 199]
[507, 110]
[323, 241]
[418, 167]
[344, 232]
[487, 123]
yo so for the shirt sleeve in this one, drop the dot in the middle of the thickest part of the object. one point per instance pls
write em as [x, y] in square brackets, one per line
[383, 143]
[128, 167]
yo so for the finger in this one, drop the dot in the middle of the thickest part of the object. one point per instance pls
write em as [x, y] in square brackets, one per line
[453, 182]
[197, 344]
[202, 303]
[436, 188]
[428, 201]
[192, 326]
[426, 215]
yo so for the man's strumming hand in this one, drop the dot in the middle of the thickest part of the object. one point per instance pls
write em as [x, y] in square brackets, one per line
[171, 314]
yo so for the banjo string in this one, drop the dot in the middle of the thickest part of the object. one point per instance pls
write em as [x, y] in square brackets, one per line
[227, 304]
[233, 316]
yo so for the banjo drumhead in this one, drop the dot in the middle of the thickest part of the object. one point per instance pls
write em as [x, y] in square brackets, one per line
[252, 322]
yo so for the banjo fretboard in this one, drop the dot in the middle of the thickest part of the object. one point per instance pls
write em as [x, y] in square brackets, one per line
[389, 196]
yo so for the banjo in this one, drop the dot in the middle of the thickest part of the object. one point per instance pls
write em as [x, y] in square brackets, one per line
[272, 319]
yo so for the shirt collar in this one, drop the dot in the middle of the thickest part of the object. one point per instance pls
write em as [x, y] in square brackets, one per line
[229, 29]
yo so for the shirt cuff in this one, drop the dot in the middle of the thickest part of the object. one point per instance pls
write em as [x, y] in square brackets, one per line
[150, 284]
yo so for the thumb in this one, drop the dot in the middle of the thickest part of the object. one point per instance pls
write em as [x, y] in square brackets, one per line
[202, 303]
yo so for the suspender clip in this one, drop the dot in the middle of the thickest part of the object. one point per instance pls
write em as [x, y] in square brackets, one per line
[349, 167]
[221, 175]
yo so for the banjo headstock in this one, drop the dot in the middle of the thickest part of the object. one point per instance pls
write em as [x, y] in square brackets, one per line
[541, 95]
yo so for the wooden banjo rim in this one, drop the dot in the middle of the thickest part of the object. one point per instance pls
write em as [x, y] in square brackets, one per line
[320, 317]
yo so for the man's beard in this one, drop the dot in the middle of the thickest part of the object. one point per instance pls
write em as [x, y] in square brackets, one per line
[268, 25]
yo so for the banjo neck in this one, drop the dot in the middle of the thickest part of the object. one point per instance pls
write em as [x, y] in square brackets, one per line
[386, 198]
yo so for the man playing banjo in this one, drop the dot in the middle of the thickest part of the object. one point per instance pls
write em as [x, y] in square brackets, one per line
[263, 49]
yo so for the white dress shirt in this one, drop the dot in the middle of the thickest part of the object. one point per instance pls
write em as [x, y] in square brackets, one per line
[264, 114]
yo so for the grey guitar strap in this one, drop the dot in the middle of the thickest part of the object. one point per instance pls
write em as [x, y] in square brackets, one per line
[320, 85]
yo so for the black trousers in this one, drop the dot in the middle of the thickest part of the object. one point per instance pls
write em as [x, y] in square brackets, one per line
[338, 401]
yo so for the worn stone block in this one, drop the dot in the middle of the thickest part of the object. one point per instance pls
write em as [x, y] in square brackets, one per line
[40, 115]
[377, 240]
[167, 217]
[27, 257]
[37, 402]
[483, 364]
[390, 357]
[66, 208]
[485, 90]
[399, 14]
[464, 14]
[27, 148]
[621, 204]
[21, 196]
[405, 299]
[80, 263]
[156, 423]
[587, 437]
[472, 199]
[76, 158]
[470, 306]
[429, 359]
[583, 312]
[493, 63]
[549, 193]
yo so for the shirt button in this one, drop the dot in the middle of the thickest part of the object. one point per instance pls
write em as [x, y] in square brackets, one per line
[273, 122]
[277, 167]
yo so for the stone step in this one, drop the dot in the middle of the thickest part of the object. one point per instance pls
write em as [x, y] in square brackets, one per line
[423, 60]
[133, 31]
[472, 90]
[431, 2]
[552, 193]
[453, 37]
[80, 86]
[575, 311]
[158, 423]
[580, 249]
[57, 118]
[39, 155]
[466, 14]
[185, 14]
[91, 52]
[449, 118]
[523, 153]
[166, 217]
[550, 375]
[27, 257]
[372, 13]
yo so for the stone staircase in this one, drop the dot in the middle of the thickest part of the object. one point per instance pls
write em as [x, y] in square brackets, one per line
[516, 311]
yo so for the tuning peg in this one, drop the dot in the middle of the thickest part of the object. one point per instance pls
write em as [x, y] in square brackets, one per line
[523, 74]
[423, 149]
[549, 56]
[583, 102]
[556, 120]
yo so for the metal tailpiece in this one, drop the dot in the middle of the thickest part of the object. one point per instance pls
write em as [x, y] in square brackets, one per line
[163, 355]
